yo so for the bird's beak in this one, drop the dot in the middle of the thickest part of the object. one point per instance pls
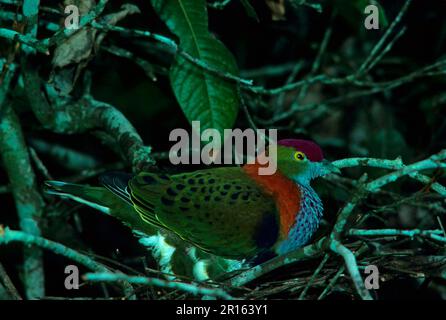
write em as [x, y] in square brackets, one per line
[328, 167]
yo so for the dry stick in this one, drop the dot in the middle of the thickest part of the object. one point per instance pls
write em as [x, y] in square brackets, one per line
[432, 234]
[441, 226]
[331, 283]
[310, 251]
[39, 164]
[352, 267]
[8, 284]
[314, 276]
[186, 287]
[335, 239]
[386, 50]
[369, 61]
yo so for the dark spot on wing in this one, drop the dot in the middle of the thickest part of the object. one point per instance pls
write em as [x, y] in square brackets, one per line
[166, 202]
[171, 192]
[267, 230]
[149, 179]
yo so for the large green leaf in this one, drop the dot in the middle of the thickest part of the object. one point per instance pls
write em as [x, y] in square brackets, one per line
[202, 95]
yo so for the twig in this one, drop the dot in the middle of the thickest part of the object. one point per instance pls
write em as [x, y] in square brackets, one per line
[8, 284]
[219, 4]
[313, 277]
[39, 164]
[389, 164]
[378, 46]
[352, 267]
[331, 283]
[432, 234]
[301, 254]
[186, 287]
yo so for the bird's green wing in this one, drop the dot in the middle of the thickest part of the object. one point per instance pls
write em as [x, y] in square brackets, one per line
[219, 210]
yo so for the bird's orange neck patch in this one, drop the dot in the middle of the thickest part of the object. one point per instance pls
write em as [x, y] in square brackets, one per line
[285, 192]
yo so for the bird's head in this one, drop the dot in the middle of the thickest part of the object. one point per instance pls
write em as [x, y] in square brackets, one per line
[302, 160]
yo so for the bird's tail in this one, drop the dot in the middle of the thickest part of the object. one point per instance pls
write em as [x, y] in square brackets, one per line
[117, 182]
[96, 197]
[111, 199]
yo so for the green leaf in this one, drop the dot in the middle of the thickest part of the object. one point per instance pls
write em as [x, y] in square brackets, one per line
[202, 95]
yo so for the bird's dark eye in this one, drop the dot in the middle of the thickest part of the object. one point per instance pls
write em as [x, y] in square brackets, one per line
[299, 156]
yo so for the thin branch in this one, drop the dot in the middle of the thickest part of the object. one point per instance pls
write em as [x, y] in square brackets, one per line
[369, 61]
[8, 236]
[432, 234]
[4, 278]
[186, 287]
[332, 282]
[352, 267]
[314, 276]
[389, 164]
[310, 251]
